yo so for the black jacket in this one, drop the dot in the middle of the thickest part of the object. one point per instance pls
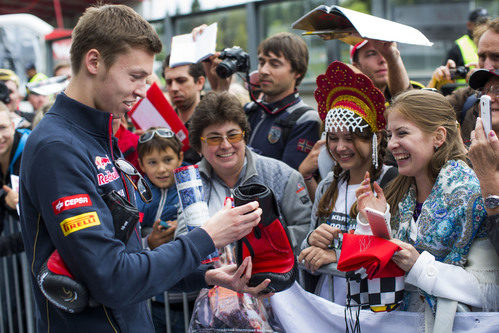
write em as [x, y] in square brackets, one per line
[73, 152]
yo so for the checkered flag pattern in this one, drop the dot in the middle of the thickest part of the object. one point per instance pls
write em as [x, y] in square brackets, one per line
[378, 292]
[339, 119]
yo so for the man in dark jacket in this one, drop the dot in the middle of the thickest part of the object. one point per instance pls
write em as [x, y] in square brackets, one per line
[65, 206]
[282, 125]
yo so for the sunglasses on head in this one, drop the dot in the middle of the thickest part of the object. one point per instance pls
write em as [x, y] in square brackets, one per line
[218, 139]
[140, 185]
[161, 132]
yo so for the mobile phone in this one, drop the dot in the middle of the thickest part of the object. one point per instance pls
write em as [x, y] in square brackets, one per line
[164, 224]
[378, 225]
[485, 114]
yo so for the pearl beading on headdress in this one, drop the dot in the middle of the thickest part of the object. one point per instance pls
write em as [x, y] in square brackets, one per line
[339, 119]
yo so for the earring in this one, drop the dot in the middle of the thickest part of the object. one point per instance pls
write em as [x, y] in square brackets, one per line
[375, 151]
[436, 148]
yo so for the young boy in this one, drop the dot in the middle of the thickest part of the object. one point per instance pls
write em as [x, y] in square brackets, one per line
[159, 152]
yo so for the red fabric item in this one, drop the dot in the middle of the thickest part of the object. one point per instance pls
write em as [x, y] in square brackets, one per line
[57, 266]
[127, 142]
[371, 252]
[272, 250]
[156, 104]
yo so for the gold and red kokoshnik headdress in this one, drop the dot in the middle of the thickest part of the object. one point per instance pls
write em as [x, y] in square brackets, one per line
[344, 98]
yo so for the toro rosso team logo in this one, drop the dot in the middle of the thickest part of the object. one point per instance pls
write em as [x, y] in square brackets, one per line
[102, 162]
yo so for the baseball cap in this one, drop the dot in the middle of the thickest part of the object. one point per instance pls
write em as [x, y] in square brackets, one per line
[480, 77]
[478, 14]
[8, 75]
[355, 48]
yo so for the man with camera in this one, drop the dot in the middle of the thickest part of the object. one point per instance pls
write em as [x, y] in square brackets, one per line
[464, 100]
[282, 125]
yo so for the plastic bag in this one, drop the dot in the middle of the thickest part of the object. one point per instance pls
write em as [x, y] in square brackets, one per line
[222, 310]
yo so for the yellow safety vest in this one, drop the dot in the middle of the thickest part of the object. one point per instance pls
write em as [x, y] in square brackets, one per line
[468, 51]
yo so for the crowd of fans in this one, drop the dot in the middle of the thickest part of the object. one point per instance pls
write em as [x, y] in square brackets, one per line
[420, 158]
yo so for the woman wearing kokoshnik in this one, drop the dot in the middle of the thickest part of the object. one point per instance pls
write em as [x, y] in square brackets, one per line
[352, 109]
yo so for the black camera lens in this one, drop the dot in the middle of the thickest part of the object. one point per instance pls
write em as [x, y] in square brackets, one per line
[234, 60]
[226, 68]
[459, 72]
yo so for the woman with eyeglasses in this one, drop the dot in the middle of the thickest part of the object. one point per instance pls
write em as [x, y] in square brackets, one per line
[218, 131]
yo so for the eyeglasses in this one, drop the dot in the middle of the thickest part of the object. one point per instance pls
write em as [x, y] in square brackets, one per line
[492, 91]
[141, 186]
[217, 140]
[161, 132]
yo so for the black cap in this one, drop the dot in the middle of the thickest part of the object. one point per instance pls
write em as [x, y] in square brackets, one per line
[480, 77]
[29, 65]
[478, 14]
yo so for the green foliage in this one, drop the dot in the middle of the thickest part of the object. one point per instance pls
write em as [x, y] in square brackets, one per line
[363, 6]
[195, 6]
[231, 27]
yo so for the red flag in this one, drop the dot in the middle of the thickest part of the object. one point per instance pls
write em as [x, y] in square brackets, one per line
[155, 111]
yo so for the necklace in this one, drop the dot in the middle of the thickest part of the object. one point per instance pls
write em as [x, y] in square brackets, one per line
[346, 205]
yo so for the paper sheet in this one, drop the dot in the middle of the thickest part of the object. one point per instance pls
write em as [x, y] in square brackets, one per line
[184, 50]
[351, 26]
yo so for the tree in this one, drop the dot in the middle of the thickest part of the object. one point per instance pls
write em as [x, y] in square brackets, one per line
[195, 6]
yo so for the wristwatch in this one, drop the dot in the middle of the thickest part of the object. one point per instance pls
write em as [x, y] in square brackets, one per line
[491, 201]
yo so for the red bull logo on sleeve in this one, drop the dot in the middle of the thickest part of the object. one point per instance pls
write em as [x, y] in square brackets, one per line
[102, 162]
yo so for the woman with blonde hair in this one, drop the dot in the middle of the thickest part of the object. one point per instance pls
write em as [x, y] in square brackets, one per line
[434, 205]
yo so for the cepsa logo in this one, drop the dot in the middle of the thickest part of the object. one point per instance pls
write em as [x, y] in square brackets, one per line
[79, 222]
[70, 202]
[102, 162]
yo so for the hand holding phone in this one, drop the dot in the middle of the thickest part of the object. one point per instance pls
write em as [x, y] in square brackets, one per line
[378, 225]
[164, 224]
[485, 114]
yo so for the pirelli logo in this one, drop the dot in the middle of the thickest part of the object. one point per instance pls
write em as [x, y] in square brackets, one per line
[79, 222]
